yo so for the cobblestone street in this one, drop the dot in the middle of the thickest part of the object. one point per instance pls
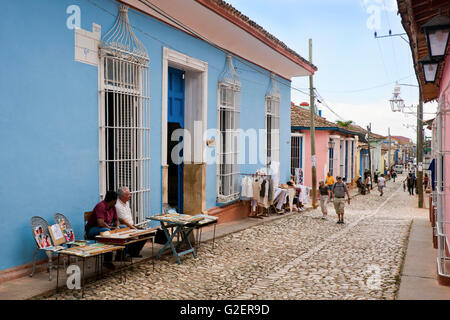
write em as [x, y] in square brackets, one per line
[299, 256]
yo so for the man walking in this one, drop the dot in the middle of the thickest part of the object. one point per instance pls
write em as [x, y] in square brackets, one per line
[381, 184]
[338, 192]
[410, 182]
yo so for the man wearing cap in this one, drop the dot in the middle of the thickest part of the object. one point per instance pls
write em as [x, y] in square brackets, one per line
[338, 192]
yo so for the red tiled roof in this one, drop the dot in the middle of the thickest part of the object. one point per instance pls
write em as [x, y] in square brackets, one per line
[402, 140]
[300, 117]
[230, 13]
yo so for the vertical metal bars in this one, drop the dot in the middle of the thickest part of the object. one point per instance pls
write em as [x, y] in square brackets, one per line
[272, 129]
[125, 129]
[228, 146]
[296, 152]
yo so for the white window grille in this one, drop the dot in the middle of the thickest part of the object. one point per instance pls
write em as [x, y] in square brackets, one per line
[442, 162]
[124, 115]
[228, 134]
[297, 157]
[273, 98]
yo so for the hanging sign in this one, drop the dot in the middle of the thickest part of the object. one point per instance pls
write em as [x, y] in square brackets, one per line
[86, 45]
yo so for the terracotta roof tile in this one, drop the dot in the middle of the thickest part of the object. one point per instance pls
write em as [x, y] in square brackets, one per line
[277, 43]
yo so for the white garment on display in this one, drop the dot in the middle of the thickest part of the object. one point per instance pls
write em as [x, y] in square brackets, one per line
[279, 197]
[304, 194]
[246, 188]
[275, 172]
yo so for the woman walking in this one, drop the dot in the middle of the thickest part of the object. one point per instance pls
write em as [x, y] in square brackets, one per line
[324, 196]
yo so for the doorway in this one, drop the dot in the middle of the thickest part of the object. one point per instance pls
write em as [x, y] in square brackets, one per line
[175, 120]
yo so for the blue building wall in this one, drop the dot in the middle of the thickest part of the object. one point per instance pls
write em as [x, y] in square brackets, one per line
[49, 114]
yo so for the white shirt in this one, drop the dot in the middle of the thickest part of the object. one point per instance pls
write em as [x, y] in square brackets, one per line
[381, 181]
[124, 211]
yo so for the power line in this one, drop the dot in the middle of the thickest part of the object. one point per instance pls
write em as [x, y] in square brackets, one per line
[320, 100]
[193, 32]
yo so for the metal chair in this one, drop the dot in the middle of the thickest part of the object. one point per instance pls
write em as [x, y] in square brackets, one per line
[37, 222]
[60, 217]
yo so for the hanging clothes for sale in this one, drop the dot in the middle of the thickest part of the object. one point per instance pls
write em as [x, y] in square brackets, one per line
[247, 188]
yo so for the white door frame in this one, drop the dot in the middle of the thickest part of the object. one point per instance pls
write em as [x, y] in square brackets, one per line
[184, 62]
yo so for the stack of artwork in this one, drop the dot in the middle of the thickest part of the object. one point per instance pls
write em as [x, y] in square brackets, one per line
[67, 232]
[42, 238]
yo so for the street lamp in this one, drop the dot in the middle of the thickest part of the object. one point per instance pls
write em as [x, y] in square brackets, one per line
[331, 144]
[397, 103]
[430, 67]
[437, 32]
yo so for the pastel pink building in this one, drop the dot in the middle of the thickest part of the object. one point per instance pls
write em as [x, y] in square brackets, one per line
[336, 147]
[428, 32]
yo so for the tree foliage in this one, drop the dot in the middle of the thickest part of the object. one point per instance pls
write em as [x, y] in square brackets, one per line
[344, 123]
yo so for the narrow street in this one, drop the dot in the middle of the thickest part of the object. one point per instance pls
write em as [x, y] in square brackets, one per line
[299, 256]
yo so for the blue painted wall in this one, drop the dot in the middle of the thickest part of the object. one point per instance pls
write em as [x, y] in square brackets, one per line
[49, 114]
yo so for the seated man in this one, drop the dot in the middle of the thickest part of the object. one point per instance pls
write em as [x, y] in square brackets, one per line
[126, 218]
[104, 218]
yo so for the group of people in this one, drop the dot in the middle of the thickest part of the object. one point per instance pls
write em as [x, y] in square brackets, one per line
[410, 182]
[114, 212]
[365, 185]
[329, 190]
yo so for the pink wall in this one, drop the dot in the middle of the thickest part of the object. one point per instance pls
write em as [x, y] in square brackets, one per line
[445, 93]
[322, 138]
[445, 76]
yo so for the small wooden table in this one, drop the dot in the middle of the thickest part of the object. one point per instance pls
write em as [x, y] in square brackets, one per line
[126, 236]
[88, 251]
[184, 224]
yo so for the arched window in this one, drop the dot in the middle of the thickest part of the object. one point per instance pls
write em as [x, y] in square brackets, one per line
[124, 115]
[228, 134]
[273, 98]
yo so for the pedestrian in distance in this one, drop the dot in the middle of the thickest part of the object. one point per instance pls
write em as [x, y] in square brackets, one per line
[361, 186]
[324, 195]
[410, 182]
[338, 192]
[368, 183]
[426, 180]
[393, 174]
[381, 184]
[329, 181]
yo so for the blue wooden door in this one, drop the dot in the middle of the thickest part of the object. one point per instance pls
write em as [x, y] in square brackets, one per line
[175, 118]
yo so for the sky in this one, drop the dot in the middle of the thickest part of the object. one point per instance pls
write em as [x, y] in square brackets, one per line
[356, 71]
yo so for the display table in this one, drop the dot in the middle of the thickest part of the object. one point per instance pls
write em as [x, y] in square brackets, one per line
[207, 221]
[184, 225]
[88, 251]
[126, 236]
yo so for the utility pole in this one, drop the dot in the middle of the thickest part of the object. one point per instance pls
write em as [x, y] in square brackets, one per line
[389, 152]
[369, 127]
[419, 151]
[312, 111]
